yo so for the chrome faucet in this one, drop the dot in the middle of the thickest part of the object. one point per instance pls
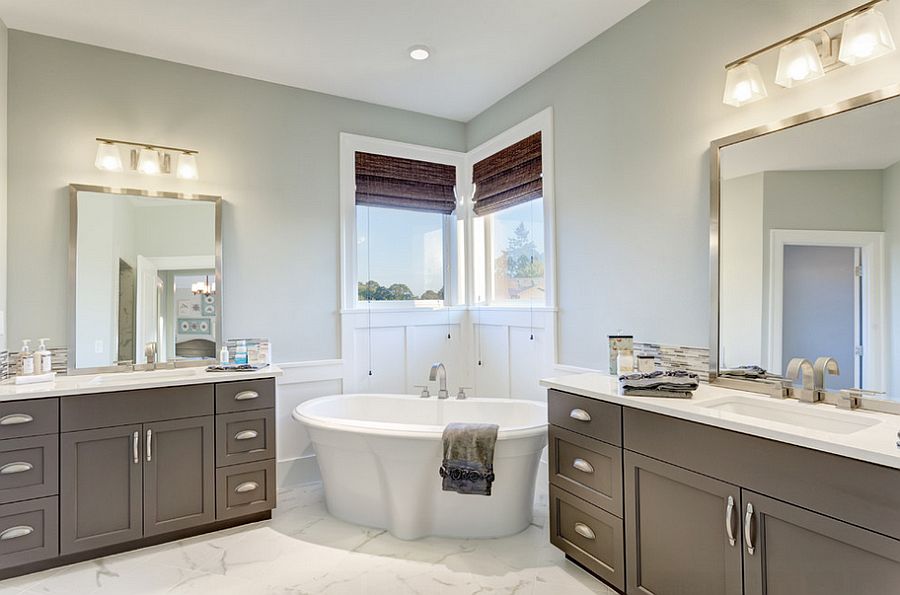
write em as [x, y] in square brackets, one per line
[439, 373]
[798, 366]
[824, 364]
[150, 351]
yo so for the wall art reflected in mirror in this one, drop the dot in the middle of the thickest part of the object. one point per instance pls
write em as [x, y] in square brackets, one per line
[809, 249]
[145, 277]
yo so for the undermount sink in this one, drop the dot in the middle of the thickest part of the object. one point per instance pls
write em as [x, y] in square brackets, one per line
[144, 376]
[823, 418]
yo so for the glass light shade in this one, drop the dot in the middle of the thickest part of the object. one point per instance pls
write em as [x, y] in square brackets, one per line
[866, 36]
[187, 167]
[798, 62]
[108, 157]
[743, 85]
[148, 161]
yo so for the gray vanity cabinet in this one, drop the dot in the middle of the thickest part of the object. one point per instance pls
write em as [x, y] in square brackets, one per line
[682, 533]
[100, 487]
[792, 551]
[179, 474]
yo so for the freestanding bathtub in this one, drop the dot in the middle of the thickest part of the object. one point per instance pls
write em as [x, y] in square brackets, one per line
[379, 456]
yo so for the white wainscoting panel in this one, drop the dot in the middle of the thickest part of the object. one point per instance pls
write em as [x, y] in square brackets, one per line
[492, 350]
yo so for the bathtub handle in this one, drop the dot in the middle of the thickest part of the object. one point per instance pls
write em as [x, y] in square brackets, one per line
[584, 531]
[247, 486]
[246, 395]
[246, 435]
[583, 466]
[580, 415]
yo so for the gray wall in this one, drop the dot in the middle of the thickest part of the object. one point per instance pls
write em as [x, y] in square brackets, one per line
[892, 264]
[4, 39]
[635, 110]
[270, 151]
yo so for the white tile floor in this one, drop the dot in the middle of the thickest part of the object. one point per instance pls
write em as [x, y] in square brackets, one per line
[305, 550]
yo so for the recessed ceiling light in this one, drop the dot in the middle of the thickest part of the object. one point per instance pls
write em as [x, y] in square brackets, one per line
[419, 52]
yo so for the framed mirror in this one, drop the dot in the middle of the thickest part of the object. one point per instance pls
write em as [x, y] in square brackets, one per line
[145, 278]
[805, 247]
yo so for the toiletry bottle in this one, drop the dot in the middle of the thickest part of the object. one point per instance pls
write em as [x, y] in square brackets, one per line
[223, 356]
[26, 359]
[240, 353]
[625, 362]
[43, 359]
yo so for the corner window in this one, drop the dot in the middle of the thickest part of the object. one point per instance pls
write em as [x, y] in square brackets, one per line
[517, 253]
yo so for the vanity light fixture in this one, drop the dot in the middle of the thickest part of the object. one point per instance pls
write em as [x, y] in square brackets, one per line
[147, 158]
[419, 52]
[866, 36]
[808, 55]
[108, 157]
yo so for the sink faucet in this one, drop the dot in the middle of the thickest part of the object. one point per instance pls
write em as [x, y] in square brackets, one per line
[150, 354]
[824, 364]
[439, 373]
[798, 366]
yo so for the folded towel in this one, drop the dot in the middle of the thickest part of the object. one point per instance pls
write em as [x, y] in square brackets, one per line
[468, 465]
[669, 394]
[745, 372]
[684, 382]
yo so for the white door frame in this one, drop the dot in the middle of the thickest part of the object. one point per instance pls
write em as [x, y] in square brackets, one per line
[871, 244]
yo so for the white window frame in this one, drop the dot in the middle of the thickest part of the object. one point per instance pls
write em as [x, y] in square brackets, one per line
[541, 122]
[349, 145]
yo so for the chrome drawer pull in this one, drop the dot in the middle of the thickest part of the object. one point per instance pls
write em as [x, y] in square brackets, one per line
[134, 447]
[580, 415]
[247, 486]
[246, 435]
[583, 466]
[729, 521]
[15, 532]
[19, 467]
[246, 395]
[149, 445]
[748, 532]
[14, 419]
[584, 531]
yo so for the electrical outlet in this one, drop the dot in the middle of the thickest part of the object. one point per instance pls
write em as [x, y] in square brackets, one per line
[98, 346]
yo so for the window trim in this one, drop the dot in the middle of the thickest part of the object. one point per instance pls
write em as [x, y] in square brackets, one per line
[349, 145]
[540, 122]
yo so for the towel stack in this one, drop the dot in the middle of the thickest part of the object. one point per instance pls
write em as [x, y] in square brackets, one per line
[679, 385]
[748, 372]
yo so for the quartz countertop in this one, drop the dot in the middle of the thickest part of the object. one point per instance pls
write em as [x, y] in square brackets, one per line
[64, 386]
[876, 444]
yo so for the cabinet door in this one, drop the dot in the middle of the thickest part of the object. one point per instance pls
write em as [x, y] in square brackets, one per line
[677, 531]
[792, 551]
[100, 488]
[179, 474]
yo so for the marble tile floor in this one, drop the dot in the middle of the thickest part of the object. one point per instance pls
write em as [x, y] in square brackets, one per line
[304, 550]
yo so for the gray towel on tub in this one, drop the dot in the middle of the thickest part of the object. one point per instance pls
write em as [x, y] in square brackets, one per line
[468, 465]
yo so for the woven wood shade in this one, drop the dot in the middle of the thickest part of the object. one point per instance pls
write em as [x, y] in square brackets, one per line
[385, 181]
[509, 177]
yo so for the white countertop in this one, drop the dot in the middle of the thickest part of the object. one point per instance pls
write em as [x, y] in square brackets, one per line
[64, 386]
[876, 444]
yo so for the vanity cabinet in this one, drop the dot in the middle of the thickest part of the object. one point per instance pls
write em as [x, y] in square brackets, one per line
[682, 531]
[708, 511]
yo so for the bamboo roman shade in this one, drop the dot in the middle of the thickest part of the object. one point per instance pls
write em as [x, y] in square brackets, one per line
[386, 181]
[509, 177]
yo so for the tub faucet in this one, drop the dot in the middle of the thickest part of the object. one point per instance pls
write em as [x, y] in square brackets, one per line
[439, 373]
[801, 366]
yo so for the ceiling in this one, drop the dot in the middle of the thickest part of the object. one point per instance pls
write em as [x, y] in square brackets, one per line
[481, 49]
[865, 138]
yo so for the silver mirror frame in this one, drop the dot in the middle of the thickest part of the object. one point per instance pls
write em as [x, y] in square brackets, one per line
[715, 150]
[74, 189]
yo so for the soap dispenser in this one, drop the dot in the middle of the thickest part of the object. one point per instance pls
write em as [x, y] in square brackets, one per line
[43, 361]
[26, 359]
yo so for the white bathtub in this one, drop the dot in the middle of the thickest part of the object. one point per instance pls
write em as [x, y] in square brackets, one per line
[380, 454]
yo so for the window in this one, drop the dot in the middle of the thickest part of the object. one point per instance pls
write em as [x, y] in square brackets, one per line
[399, 254]
[517, 253]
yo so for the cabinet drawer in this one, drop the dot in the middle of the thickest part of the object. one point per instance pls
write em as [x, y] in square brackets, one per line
[87, 412]
[28, 531]
[245, 437]
[590, 417]
[29, 468]
[588, 535]
[589, 469]
[245, 489]
[29, 418]
[245, 395]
